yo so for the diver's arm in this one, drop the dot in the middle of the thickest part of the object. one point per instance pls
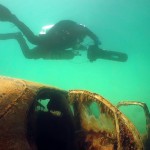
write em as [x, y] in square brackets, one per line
[25, 30]
[92, 36]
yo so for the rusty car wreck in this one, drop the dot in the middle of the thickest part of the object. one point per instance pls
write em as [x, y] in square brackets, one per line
[41, 117]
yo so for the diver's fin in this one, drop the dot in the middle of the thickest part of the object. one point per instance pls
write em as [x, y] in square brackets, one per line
[5, 13]
[94, 53]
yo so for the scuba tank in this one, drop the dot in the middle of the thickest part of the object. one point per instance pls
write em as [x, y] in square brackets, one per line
[45, 29]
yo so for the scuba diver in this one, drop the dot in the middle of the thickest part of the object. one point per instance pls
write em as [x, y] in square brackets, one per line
[57, 41]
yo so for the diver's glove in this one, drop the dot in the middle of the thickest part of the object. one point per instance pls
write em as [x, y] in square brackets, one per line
[93, 52]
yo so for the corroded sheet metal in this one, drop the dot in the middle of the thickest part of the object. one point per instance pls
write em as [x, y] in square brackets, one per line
[145, 137]
[16, 97]
[111, 130]
[124, 136]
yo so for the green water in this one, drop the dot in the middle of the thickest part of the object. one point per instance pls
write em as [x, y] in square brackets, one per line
[122, 26]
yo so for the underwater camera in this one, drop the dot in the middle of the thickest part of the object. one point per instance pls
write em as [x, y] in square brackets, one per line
[95, 53]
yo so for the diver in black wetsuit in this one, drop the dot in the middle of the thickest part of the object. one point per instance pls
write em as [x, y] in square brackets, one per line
[62, 36]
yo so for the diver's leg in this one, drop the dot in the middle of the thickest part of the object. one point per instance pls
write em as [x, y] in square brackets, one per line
[34, 53]
[31, 54]
[7, 36]
[26, 31]
[6, 15]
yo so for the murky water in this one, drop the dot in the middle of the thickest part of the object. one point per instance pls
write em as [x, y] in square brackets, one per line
[122, 26]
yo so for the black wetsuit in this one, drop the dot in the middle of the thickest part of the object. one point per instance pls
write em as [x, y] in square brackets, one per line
[63, 35]
[55, 43]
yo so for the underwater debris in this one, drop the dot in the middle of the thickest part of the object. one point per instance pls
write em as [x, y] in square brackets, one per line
[146, 137]
[43, 117]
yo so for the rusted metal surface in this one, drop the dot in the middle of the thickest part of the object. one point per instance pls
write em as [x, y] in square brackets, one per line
[16, 97]
[123, 135]
[101, 128]
[146, 137]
